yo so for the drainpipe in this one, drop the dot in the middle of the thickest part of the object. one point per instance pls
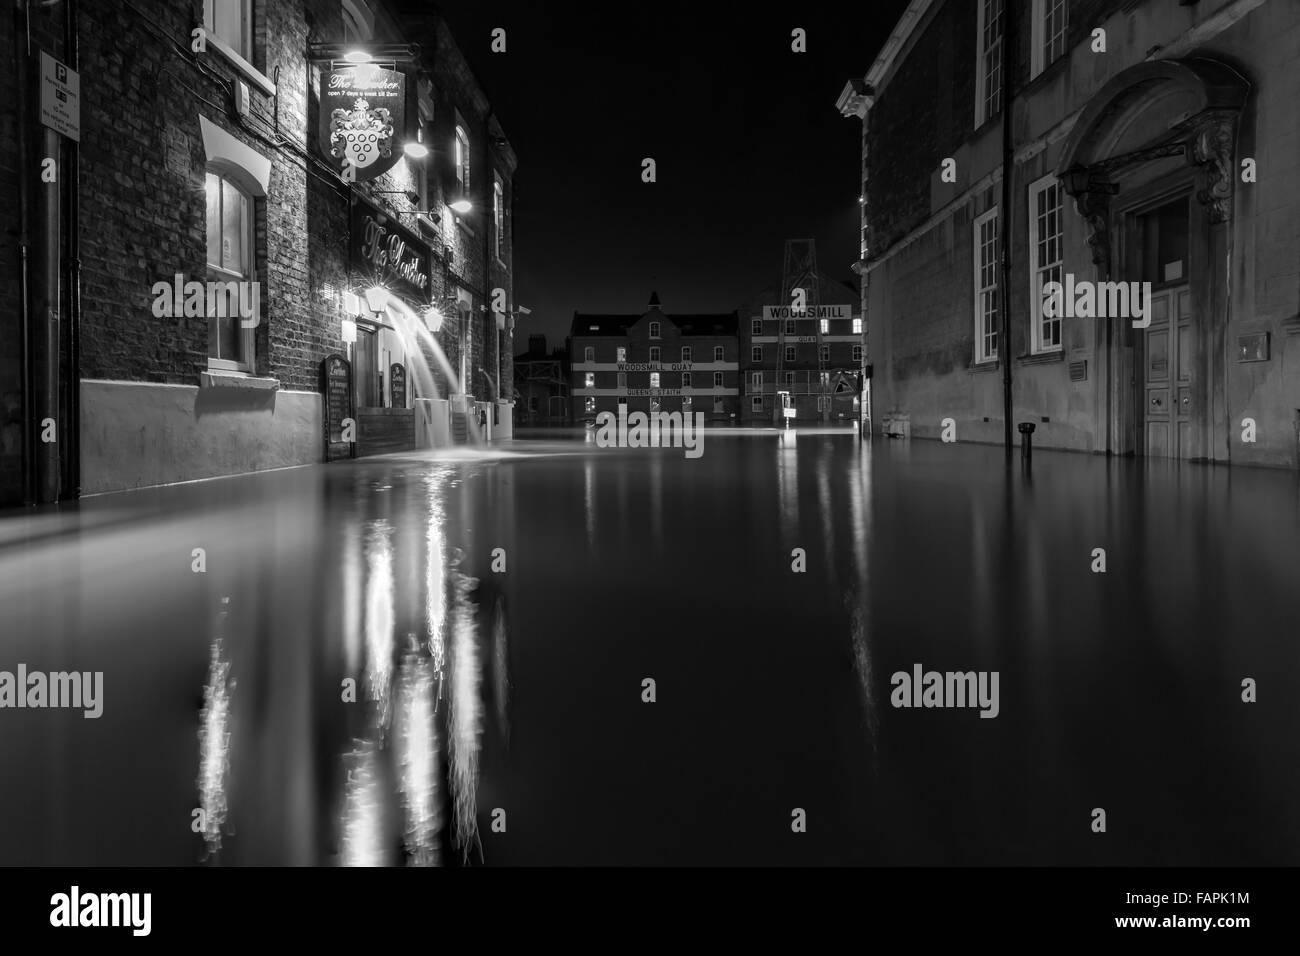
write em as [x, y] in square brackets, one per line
[72, 188]
[1004, 227]
[22, 26]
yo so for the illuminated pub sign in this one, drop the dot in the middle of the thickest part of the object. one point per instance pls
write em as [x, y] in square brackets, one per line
[384, 252]
[362, 119]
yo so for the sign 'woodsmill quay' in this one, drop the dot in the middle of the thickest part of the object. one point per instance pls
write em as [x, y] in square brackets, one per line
[362, 117]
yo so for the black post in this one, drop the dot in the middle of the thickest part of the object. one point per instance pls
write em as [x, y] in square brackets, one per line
[1004, 226]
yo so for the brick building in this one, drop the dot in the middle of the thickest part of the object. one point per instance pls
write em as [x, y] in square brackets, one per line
[817, 358]
[1151, 141]
[656, 362]
[202, 157]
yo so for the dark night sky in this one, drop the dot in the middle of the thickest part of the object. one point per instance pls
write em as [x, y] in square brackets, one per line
[749, 145]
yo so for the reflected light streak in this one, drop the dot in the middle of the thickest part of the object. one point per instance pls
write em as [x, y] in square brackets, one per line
[352, 575]
[214, 747]
[435, 600]
[418, 755]
[466, 716]
[501, 666]
[858, 596]
[363, 826]
[379, 616]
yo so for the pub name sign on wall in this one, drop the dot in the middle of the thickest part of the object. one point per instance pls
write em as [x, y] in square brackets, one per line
[362, 118]
[385, 252]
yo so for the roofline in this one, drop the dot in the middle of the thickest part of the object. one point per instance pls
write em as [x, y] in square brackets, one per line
[883, 66]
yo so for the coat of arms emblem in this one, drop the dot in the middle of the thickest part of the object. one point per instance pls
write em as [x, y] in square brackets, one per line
[361, 136]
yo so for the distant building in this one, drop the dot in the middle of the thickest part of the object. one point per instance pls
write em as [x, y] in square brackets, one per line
[816, 359]
[542, 385]
[1153, 141]
[656, 362]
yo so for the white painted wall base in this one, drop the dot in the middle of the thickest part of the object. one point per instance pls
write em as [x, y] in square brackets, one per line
[134, 435]
[506, 425]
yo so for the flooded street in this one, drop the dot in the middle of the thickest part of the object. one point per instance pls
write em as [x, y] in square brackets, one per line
[439, 660]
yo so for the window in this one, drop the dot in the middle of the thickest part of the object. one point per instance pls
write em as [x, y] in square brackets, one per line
[231, 22]
[756, 327]
[789, 327]
[1045, 255]
[622, 379]
[462, 159]
[621, 352]
[590, 405]
[825, 326]
[1048, 40]
[686, 402]
[654, 379]
[589, 354]
[686, 379]
[499, 217]
[230, 259]
[826, 353]
[789, 353]
[686, 353]
[756, 403]
[986, 287]
[756, 379]
[789, 379]
[654, 353]
[824, 378]
[717, 353]
[654, 330]
[420, 170]
[988, 63]
[857, 354]
[590, 380]
[717, 380]
[756, 353]
[857, 326]
[717, 406]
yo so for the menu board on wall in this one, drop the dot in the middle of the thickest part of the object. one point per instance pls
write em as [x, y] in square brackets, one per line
[397, 384]
[336, 384]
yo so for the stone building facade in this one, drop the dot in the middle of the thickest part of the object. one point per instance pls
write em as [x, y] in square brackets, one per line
[1153, 231]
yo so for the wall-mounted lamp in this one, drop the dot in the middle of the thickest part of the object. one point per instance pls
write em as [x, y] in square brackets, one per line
[461, 206]
[376, 298]
[416, 149]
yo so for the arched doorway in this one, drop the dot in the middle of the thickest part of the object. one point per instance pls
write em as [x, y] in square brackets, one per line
[1150, 165]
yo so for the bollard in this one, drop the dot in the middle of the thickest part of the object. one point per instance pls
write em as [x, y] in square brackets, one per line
[1026, 430]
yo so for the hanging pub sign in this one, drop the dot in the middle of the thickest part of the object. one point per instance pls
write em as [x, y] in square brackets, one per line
[384, 252]
[362, 118]
[397, 384]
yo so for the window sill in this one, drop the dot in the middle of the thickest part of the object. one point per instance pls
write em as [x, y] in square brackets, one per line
[990, 365]
[260, 79]
[1042, 358]
[220, 378]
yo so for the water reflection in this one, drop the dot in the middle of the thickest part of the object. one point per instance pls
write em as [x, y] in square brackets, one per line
[214, 743]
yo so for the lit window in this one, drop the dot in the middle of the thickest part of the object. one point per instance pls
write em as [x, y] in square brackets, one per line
[988, 68]
[686, 353]
[589, 354]
[1045, 259]
[654, 330]
[654, 353]
[756, 353]
[654, 379]
[230, 259]
[591, 380]
[499, 217]
[825, 326]
[231, 22]
[686, 401]
[986, 286]
[590, 405]
[1049, 26]
[621, 352]
[857, 326]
